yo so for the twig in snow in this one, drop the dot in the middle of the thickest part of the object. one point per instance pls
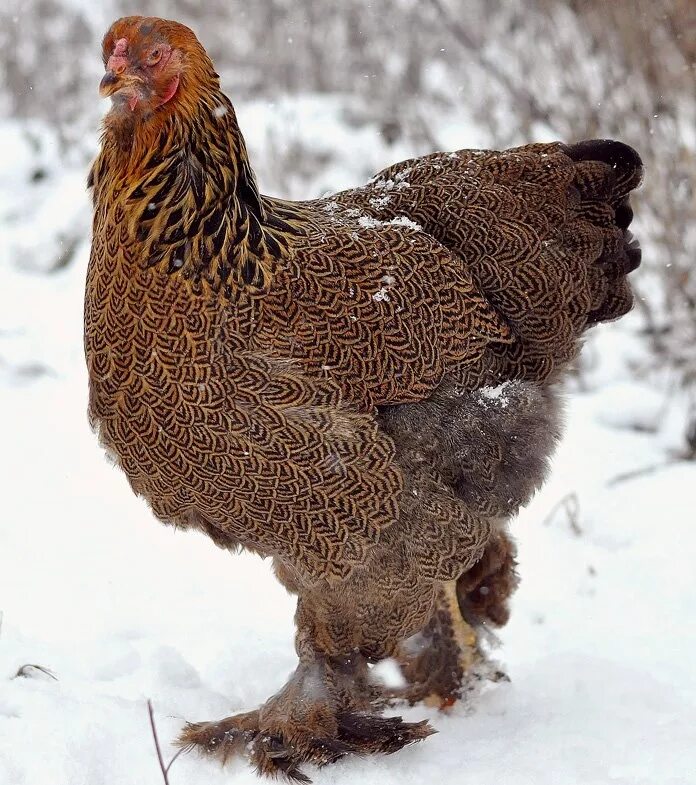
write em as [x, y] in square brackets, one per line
[634, 473]
[164, 769]
[25, 673]
[571, 506]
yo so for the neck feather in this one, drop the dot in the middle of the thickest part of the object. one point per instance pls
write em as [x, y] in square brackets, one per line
[191, 203]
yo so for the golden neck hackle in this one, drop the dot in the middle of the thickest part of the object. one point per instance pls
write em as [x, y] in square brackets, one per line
[182, 194]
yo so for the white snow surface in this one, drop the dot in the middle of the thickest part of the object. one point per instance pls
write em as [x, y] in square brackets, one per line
[599, 649]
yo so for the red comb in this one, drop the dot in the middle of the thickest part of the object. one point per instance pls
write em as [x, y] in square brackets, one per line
[120, 47]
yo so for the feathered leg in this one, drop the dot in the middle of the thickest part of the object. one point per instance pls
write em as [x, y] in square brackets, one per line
[445, 660]
[329, 708]
[491, 449]
[424, 583]
[437, 661]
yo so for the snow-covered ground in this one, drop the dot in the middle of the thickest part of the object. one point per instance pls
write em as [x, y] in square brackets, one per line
[600, 648]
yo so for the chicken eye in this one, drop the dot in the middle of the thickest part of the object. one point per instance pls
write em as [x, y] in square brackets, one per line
[154, 57]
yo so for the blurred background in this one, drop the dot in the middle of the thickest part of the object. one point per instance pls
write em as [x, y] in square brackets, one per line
[328, 93]
[120, 609]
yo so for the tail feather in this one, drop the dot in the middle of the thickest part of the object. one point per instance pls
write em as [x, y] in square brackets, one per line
[605, 174]
[542, 229]
[624, 162]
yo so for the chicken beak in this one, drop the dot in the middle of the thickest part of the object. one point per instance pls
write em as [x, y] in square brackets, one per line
[108, 84]
[118, 83]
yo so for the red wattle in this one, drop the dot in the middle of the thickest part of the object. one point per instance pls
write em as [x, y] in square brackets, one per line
[173, 87]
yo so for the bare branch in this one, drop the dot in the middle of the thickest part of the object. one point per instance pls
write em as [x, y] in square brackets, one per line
[570, 504]
[25, 671]
[642, 472]
[518, 92]
[163, 768]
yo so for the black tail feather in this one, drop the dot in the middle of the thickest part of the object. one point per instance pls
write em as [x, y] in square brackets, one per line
[606, 173]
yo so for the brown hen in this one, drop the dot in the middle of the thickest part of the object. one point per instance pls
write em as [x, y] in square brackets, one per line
[361, 387]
